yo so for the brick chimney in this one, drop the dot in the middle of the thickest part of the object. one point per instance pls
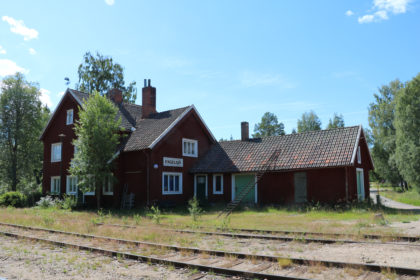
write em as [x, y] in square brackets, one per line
[148, 100]
[244, 131]
[115, 95]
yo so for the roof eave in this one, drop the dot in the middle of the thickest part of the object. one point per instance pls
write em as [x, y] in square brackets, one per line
[356, 144]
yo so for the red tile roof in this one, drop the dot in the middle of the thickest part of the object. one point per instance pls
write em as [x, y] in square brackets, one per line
[315, 149]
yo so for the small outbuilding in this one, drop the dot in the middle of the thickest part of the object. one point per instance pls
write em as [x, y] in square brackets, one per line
[326, 166]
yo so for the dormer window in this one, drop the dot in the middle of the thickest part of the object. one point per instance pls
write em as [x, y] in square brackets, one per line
[69, 119]
[189, 147]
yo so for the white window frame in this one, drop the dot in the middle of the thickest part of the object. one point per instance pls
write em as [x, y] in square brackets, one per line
[110, 186]
[191, 142]
[361, 195]
[52, 151]
[214, 184]
[68, 181]
[359, 155]
[68, 120]
[53, 185]
[168, 192]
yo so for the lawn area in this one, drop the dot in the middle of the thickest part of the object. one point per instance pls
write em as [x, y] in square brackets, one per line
[354, 220]
[411, 197]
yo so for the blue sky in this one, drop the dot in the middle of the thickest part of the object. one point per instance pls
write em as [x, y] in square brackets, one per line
[234, 60]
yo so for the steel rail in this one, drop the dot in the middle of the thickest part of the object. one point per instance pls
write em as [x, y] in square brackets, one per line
[270, 237]
[299, 261]
[154, 260]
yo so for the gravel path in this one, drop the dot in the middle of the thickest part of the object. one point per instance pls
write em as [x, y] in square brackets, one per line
[392, 203]
[53, 263]
[20, 259]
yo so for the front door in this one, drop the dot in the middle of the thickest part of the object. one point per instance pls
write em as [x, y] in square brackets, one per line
[300, 187]
[201, 187]
[242, 182]
[360, 184]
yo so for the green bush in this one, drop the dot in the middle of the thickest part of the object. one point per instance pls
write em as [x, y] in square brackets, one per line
[195, 210]
[15, 199]
[69, 202]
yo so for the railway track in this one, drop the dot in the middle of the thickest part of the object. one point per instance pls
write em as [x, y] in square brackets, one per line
[221, 262]
[299, 236]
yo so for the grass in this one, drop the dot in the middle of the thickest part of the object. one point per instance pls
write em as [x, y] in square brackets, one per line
[411, 197]
[357, 219]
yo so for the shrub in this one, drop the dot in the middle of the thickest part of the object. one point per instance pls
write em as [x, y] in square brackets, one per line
[155, 214]
[69, 202]
[46, 202]
[195, 210]
[14, 199]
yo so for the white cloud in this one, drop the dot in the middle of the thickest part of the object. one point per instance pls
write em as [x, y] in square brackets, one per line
[110, 2]
[61, 93]
[32, 51]
[45, 97]
[382, 8]
[18, 27]
[252, 79]
[9, 67]
[366, 19]
[2, 50]
[349, 13]
[394, 6]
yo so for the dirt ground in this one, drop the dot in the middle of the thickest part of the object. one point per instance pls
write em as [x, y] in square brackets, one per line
[408, 228]
[21, 259]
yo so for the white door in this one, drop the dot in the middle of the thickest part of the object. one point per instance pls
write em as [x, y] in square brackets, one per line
[360, 184]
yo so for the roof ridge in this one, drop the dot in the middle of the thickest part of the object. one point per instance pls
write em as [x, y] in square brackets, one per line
[290, 134]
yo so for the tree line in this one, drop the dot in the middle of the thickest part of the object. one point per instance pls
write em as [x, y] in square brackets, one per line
[394, 119]
[309, 121]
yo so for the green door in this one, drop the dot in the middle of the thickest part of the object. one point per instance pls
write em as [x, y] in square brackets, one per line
[201, 187]
[242, 181]
[300, 187]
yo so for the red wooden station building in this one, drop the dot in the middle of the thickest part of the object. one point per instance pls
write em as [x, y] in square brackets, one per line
[171, 156]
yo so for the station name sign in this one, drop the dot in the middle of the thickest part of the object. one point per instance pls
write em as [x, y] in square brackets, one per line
[175, 162]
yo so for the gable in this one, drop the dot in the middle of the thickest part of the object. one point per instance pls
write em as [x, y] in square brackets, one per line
[190, 127]
[151, 131]
[68, 101]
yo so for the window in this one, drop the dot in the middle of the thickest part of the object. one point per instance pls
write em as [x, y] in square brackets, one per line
[171, 183]
[108, 187]
[55, 185]
[218, 184]
[90, 183]
[69, 119]
[359, 156]
[56, 152]
[72, 185]
[189, 148]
